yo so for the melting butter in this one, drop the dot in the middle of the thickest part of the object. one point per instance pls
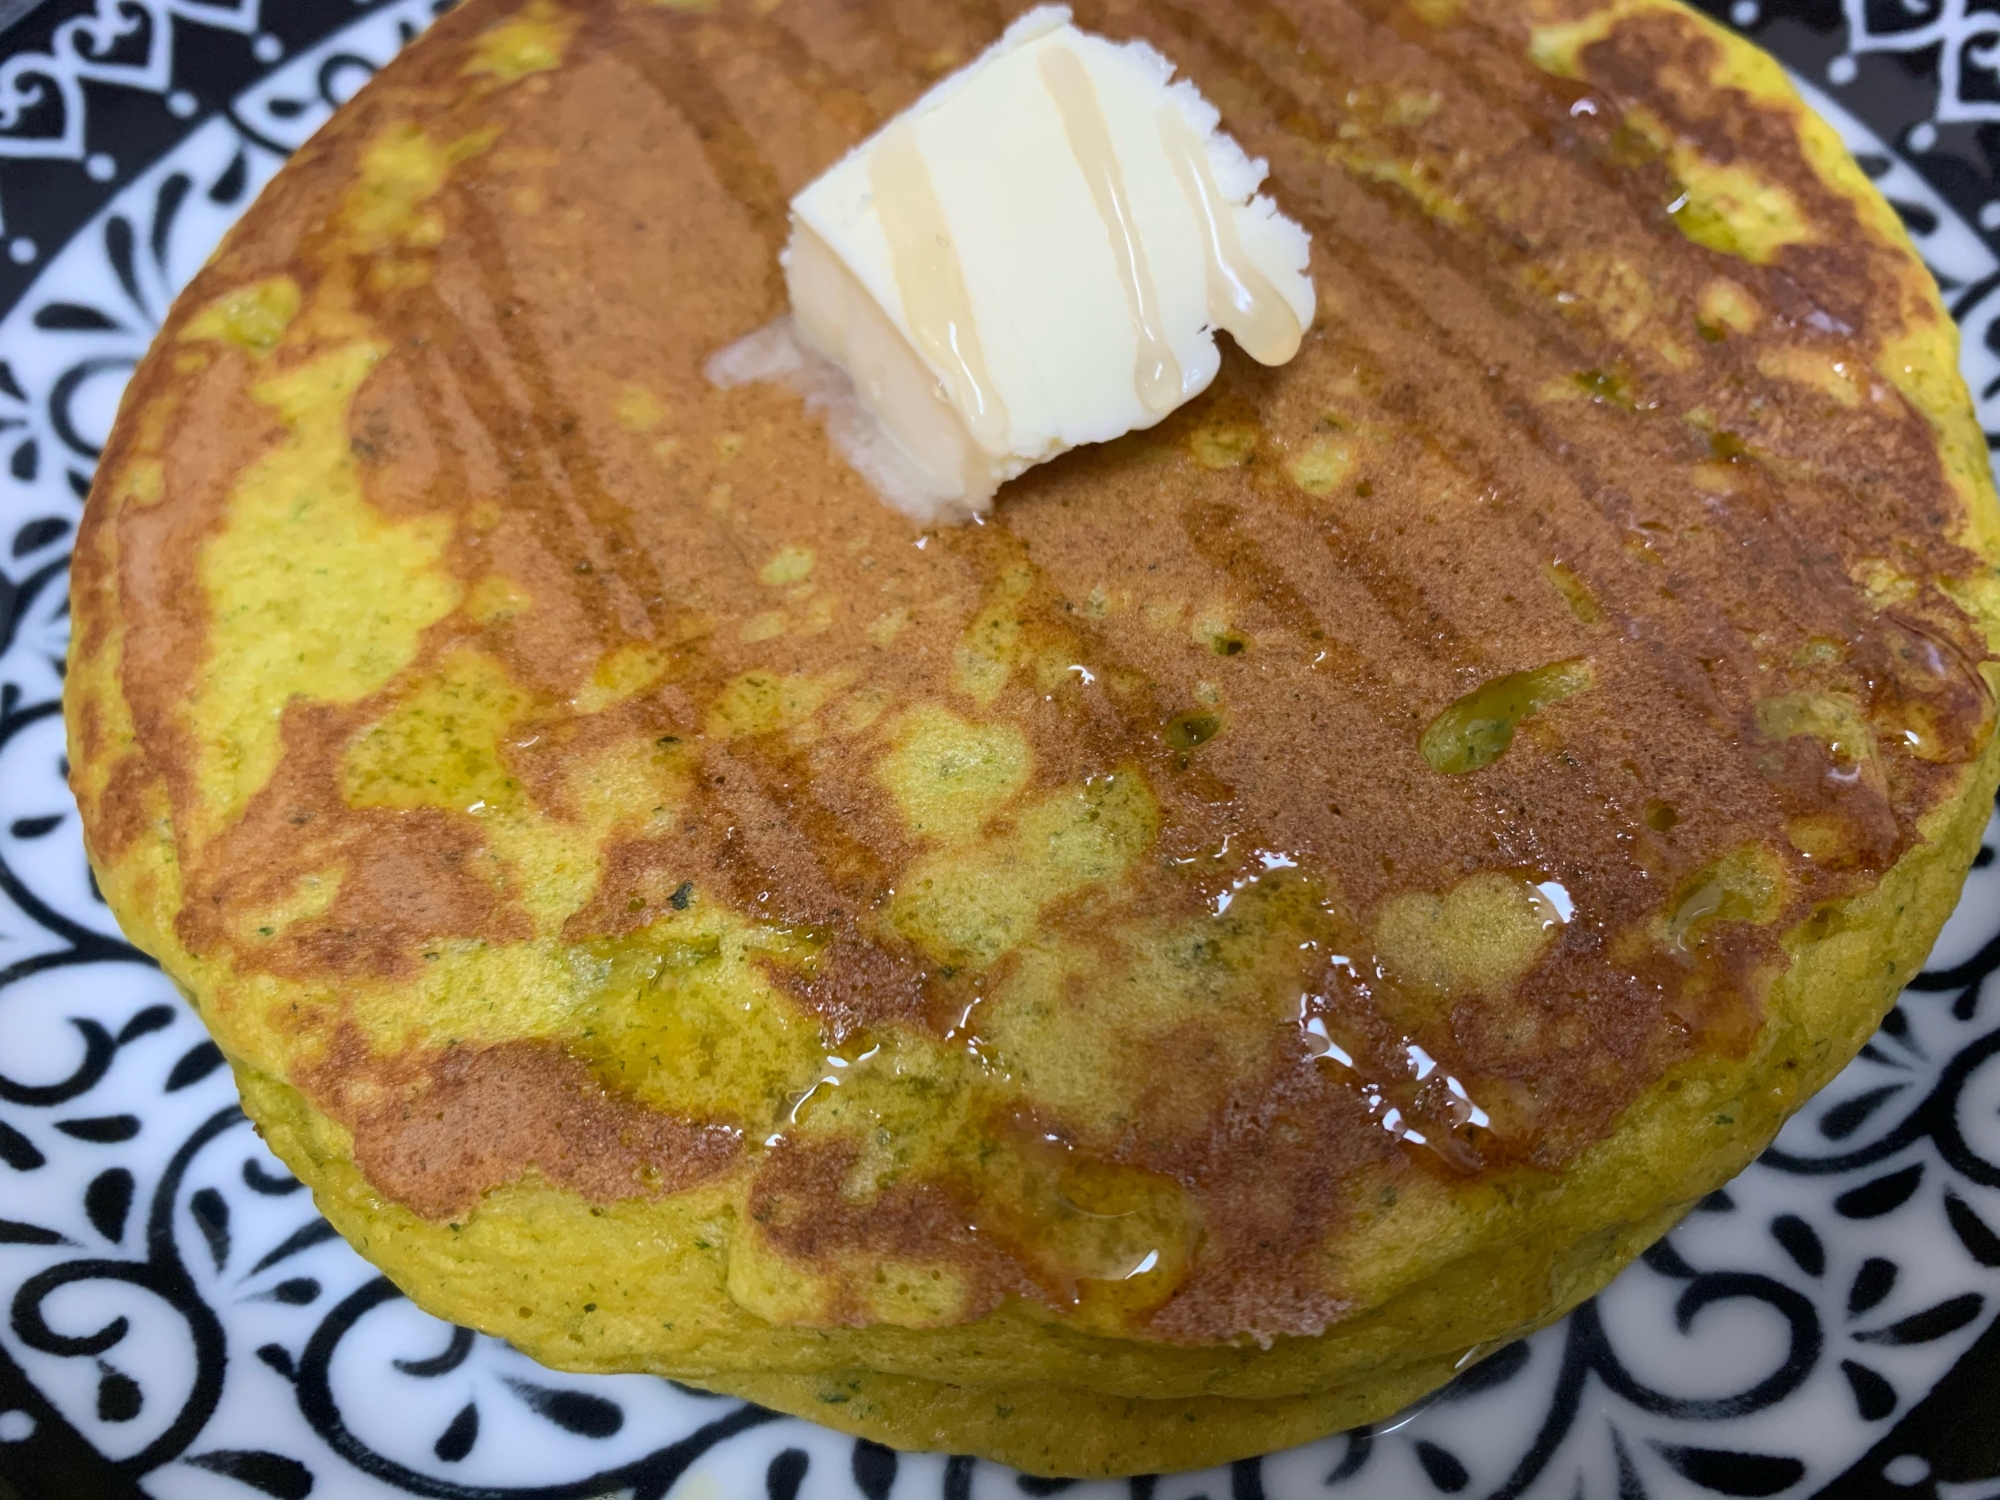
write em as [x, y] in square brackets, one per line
[1036, 255]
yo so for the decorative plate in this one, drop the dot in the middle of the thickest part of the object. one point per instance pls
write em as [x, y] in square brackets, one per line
[176, 1321]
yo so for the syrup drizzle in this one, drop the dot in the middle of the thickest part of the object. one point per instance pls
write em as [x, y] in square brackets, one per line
[1240, 297]
[932, 283]
[1158, 376]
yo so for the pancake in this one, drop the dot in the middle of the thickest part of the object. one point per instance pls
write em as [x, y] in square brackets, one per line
[1297, 899]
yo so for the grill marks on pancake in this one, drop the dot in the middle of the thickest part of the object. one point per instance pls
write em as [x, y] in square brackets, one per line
[785, 855]
[1370, 262]
[1483, 66]
[1427, 409]
[407, 880]
[1828, 590]
[954, 36]
[1264, 1153]
[1484, 61]
[1834, 592]
[1634, 59]
[156, 573]
[785, 849]
[1225, 537]
[1434, 421]
[683, 84]
[637, 602]
[521, 440]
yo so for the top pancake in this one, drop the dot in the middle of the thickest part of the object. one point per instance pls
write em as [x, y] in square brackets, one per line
[556, 768]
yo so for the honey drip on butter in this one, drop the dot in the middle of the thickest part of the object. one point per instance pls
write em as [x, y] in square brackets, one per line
[932, 282]
[1241, 298]
[1159, 373]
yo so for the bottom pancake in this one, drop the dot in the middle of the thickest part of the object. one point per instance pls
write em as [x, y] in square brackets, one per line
[1061, 1430]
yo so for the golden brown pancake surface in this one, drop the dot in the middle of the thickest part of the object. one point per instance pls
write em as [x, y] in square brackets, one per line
[1260, 869]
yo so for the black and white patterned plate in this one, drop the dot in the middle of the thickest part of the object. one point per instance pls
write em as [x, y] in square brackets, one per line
[176, 1321]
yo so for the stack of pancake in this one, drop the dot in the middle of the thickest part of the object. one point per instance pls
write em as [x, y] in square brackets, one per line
[1296, 899]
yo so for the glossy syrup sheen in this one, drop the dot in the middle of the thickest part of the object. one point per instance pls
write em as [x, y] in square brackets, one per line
[1476, 730]
[932, 282]
[1158, 375]
[1241, 298]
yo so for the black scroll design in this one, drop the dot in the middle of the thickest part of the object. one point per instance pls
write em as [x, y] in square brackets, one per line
[1588, 1355]
[648, 1477]
[81, 944]
[115, 330]
[91, 91]
[163, 1274]
[1933, 1118]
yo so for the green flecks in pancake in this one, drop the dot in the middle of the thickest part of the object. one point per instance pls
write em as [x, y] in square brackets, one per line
[759, 702]
[440, 746]
[911, 1136]
[682, 1016]
[787, 565]
[1745, 885]
[309, 896]
[987, 651]
[619, 675]
[1834, 719]
[1732, 209]
[743, 856]
[1173, 1010]
[1727, 206]
[1574, 592]
[1322, 465]
[388, 220]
